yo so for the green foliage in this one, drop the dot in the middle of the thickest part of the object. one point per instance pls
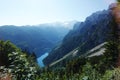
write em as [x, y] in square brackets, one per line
[21, 66]
[89, 72]
[116, 74]
[6, 48]
[75, 65]
[118, 0]
[108, 75]
[111, 52]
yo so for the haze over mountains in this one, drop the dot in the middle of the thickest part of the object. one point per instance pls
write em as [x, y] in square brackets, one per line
[33, 48]
[85, 35]
[54, 37]
[37, 38]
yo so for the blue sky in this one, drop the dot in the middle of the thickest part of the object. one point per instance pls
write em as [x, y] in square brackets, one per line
[31, 12]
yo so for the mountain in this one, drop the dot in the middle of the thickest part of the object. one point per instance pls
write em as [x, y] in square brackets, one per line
[37, 38]
[96, 51]
[96, 29]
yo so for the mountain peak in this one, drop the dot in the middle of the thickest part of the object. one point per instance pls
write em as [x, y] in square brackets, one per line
[85, 35]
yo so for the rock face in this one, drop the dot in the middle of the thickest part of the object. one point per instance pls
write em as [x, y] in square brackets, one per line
[85, 35]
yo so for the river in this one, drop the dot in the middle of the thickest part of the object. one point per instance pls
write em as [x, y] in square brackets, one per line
[40, 59]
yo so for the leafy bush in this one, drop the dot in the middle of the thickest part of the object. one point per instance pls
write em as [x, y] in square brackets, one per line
[18, 63]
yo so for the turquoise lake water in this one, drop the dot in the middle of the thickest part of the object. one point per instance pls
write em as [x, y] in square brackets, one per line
[40, 60]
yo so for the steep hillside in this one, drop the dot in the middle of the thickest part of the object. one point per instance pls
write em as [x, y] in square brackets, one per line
[86, 35]
[96, 51]
[39, 39]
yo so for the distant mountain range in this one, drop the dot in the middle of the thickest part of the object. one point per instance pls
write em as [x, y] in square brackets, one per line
[37, 38]
[95, 30]
[61, 39]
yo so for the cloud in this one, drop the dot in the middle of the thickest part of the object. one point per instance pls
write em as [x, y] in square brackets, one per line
[110, 1]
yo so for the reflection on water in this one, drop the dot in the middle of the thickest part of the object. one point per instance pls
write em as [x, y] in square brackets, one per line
[40, 59]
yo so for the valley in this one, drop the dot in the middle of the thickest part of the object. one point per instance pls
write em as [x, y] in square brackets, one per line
[73, 50]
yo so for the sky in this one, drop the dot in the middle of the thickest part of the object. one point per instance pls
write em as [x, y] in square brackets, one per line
[32, 12]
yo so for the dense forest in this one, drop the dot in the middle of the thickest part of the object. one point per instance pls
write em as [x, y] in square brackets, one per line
[18, 65]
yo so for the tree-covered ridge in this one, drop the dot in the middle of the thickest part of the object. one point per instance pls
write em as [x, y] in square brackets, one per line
[44, 37]
[17, 65]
